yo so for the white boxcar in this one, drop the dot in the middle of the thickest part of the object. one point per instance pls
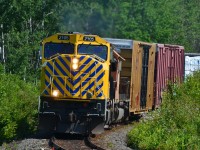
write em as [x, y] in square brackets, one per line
[192, 63]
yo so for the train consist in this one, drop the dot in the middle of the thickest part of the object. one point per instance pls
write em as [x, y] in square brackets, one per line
[89, 82]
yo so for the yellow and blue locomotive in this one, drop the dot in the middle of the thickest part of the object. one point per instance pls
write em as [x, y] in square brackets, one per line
[76, 92]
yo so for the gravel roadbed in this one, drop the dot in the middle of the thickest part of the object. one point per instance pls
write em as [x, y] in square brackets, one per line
[114, 139]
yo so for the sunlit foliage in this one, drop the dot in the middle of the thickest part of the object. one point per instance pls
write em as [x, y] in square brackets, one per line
[176, 125]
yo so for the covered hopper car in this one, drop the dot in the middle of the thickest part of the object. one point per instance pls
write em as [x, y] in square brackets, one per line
[89, 82]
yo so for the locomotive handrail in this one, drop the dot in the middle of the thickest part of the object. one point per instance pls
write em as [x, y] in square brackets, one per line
[47, 86]
[97, 57]
[55, 55]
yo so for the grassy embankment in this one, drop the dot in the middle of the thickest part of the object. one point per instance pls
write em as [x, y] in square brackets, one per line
[176, 125]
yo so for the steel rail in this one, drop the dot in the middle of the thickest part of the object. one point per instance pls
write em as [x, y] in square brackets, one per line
[90, 144]
[53, 145]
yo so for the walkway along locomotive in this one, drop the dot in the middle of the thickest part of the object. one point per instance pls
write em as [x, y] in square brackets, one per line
[86, 84]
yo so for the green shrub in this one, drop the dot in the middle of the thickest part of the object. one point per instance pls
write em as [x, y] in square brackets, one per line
[176, 125]
[1, 68]
[18, 107]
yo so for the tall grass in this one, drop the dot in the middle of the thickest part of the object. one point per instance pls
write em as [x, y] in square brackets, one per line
[176, 125]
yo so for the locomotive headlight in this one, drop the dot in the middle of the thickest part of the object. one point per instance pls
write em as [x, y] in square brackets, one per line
[75, 63]
[75, 60]
[55, 93]
[75, 66]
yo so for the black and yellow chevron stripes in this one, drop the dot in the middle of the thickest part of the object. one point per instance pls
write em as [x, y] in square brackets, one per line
[74, 84]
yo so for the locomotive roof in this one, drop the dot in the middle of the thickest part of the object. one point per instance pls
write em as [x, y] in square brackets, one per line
[66, 36]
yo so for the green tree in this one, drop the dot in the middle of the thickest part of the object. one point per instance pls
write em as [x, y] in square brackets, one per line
[172, 21]
[25, 24]
[18, 103]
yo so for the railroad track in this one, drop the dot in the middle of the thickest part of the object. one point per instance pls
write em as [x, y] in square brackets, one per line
[90, 144]
[72, 142]
[54, 145]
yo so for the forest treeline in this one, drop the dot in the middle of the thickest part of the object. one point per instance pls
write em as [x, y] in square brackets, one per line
[25, 23]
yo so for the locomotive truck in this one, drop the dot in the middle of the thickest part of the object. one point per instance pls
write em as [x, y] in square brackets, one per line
[89, 82]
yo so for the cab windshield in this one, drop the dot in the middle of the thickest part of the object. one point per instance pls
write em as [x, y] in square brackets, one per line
[98, 50]
[51, 49]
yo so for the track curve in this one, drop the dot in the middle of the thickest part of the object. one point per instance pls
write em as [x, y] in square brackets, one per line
[90, 144]
[72, 142]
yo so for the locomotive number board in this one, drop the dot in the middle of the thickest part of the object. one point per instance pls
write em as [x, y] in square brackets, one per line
[63, 37]
[89, 38]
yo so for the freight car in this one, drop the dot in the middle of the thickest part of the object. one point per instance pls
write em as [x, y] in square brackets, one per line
[148, 68]
[88, 83]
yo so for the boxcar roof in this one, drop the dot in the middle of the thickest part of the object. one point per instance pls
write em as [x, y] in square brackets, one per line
[121, 43]
[192, 54]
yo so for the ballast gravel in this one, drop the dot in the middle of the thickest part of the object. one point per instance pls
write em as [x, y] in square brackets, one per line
[27, 144]
[114, 139]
